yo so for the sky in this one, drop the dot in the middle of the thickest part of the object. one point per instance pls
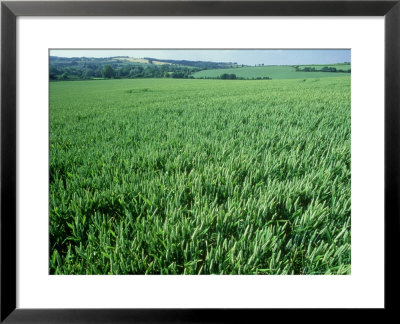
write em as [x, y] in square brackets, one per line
[247, 57]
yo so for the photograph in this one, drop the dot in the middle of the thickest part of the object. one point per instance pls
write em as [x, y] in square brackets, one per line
[199, 161]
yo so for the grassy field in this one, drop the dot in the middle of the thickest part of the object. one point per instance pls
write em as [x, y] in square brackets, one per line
[274, 72]
[344, 67]
[174, 176]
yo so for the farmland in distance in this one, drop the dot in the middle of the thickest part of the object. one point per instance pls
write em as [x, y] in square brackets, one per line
[183, 176]
[337, 66]
[274, 72]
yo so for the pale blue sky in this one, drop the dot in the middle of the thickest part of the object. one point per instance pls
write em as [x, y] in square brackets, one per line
[248, 57]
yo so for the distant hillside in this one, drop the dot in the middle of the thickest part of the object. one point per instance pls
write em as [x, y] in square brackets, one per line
[273, 72]
[141, 60]
[86, 68]
[74, 61]
[198, 64]
[339, 67]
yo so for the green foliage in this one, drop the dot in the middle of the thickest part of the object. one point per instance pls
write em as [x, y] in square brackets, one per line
[107, 72]
[340, 67]
[81, 68]
[227, 76]
[174, 176]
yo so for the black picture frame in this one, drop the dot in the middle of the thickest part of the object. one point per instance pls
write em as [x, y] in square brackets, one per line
[10, 10]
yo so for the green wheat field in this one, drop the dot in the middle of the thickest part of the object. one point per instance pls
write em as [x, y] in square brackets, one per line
[193, 176]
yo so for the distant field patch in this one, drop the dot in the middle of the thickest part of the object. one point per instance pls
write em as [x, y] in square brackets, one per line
[133, 60]
[344, 67]
[160, 63]
[274, 72]
[140, 60]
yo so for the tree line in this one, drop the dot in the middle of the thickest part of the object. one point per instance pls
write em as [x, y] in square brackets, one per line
[118, 71]
[324, 69]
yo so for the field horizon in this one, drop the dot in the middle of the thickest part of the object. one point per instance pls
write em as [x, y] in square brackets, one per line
[275, 72]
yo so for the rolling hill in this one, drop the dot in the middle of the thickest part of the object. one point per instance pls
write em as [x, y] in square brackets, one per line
[272, 71]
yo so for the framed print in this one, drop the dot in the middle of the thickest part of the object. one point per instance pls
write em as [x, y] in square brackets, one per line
[197, 161]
